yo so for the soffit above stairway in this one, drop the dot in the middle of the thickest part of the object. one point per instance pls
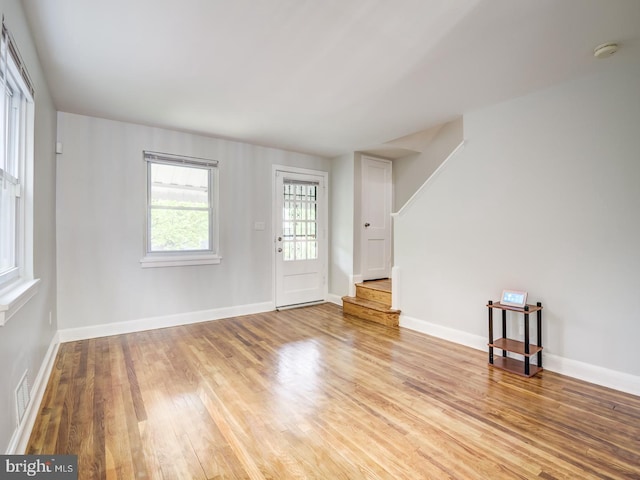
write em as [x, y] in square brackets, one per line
[406, 145]
[323, 77]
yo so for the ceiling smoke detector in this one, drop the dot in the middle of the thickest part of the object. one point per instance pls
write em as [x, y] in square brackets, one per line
[605, 50]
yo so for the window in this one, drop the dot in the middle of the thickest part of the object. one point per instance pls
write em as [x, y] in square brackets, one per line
[181, 211]
[16, 181]
[299, 221]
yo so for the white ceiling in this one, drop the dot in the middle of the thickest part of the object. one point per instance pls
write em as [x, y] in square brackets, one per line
[318, 76]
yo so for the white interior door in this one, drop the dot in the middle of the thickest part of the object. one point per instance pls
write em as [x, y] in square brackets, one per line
[376, 218]
[300, 238]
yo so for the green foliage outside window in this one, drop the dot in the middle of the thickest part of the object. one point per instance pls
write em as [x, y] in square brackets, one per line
[177, 229]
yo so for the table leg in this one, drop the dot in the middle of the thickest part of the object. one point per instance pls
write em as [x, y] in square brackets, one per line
[526, 341]
[490, 331]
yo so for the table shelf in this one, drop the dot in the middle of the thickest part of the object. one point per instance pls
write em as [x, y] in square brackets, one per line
[515, 366]
[515, 346]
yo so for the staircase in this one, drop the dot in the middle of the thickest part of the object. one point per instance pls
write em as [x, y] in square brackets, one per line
[372, 302]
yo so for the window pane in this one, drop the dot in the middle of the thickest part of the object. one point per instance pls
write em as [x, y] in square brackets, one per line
[287, 230]
[287, 250]
[299, 219]
[179, 230]
[179, 186]
[13, 134]
[181, 208]
[8, 224]
[288, 193]
[301, 211]
[312, 252]
[301, 251]
[288, 211]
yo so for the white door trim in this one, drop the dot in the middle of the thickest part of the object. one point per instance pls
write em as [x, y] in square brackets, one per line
[324, 223]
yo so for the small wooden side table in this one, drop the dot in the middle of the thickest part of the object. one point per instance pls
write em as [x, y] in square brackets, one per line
[506, 344]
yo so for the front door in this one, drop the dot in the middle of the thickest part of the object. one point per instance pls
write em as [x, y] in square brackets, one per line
[300, 238]
[376, 218]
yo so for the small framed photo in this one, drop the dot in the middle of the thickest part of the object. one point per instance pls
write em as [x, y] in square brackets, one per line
[514, 298]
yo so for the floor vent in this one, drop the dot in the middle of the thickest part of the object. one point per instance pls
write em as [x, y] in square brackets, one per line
[23, 395]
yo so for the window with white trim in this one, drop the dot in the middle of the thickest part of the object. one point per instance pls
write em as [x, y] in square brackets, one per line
[181, 214]
[16, 163]
[299, 220]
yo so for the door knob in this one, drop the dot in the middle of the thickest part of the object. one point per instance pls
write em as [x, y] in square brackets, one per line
[279, 239]
[367, 225]
[279, 250]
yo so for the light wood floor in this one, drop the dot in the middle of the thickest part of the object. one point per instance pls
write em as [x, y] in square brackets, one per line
[307, 393]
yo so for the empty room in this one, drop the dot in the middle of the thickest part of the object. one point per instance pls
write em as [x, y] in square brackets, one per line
[278, 239]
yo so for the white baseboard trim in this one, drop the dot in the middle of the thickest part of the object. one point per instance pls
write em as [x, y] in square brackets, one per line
[20, 438]
[107, 329]
[446, 333]
[605, 377]
[337, 299]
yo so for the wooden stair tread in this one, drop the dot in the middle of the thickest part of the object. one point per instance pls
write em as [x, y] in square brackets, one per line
[373, 293]
[382, 286]
[373, 305]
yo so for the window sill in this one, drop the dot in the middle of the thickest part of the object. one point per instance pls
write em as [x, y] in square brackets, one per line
[179, 260]
[15, 296]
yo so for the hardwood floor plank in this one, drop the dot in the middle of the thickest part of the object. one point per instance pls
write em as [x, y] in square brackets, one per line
[134, 387]
[102, 394]
[221, 418]
[310, 393]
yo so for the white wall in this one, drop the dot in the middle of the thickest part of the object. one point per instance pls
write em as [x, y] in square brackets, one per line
[545, 197]
[27, 335]
[101, 209]
[409, 173]
[341, 226]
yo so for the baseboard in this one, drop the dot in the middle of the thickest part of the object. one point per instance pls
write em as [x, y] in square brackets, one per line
[446, 333]
[337, 299]
[20, 438]
[107, 329]
[605, 377]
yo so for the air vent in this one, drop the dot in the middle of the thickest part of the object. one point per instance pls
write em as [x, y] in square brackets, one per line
[23, 395]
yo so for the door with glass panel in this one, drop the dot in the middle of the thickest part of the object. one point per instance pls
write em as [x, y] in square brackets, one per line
[300, 238]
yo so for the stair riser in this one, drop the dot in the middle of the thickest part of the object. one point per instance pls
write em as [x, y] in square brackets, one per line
[375, 295]
[389, 319]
